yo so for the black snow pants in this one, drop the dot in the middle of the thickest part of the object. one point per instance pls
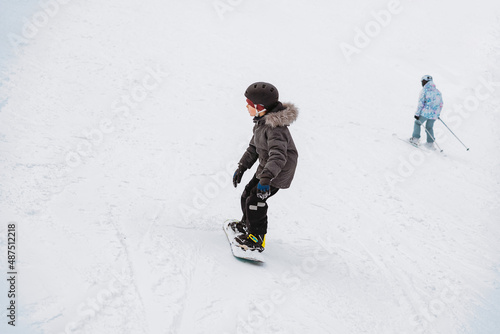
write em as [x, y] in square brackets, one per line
[255, 209]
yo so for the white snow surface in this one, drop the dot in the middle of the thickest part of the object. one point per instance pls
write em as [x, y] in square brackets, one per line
[123, 121]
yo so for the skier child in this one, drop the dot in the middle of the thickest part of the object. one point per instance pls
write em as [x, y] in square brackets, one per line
[429, 108]
[273, 146]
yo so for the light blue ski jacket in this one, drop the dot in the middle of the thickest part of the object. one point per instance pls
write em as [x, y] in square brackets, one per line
[430, 102]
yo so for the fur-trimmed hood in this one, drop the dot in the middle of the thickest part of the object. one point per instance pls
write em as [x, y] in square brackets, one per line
[272, 144]
[283, 117]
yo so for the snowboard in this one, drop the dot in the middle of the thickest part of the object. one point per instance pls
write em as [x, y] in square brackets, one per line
[239, 252]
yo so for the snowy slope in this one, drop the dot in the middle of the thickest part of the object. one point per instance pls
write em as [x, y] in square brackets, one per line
[123, 124]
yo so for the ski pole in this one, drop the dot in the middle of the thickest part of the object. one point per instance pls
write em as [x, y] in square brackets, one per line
[434, 139]
[440, 150]
[453, 133]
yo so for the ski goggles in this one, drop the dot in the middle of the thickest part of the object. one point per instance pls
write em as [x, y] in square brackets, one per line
[259, 107]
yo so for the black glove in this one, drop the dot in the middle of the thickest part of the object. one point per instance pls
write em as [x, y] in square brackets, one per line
[417, 117]
[264, 188]
[238, 174]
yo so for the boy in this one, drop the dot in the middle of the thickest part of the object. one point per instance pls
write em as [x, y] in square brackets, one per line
[273, 146]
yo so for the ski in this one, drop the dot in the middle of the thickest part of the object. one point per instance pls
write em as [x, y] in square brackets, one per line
[407, 141]
[420, 147]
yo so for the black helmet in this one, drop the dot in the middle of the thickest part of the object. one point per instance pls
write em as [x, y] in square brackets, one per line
[262, 93]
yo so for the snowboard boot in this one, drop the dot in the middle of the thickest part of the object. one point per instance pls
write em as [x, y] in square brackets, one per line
[251, 242]
[239, 227]
[414, 140]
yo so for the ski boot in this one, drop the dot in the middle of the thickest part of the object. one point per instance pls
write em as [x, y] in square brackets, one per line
[430, 146]
[414, 141]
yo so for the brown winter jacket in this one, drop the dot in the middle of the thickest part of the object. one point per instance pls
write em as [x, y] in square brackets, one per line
[273, 145]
